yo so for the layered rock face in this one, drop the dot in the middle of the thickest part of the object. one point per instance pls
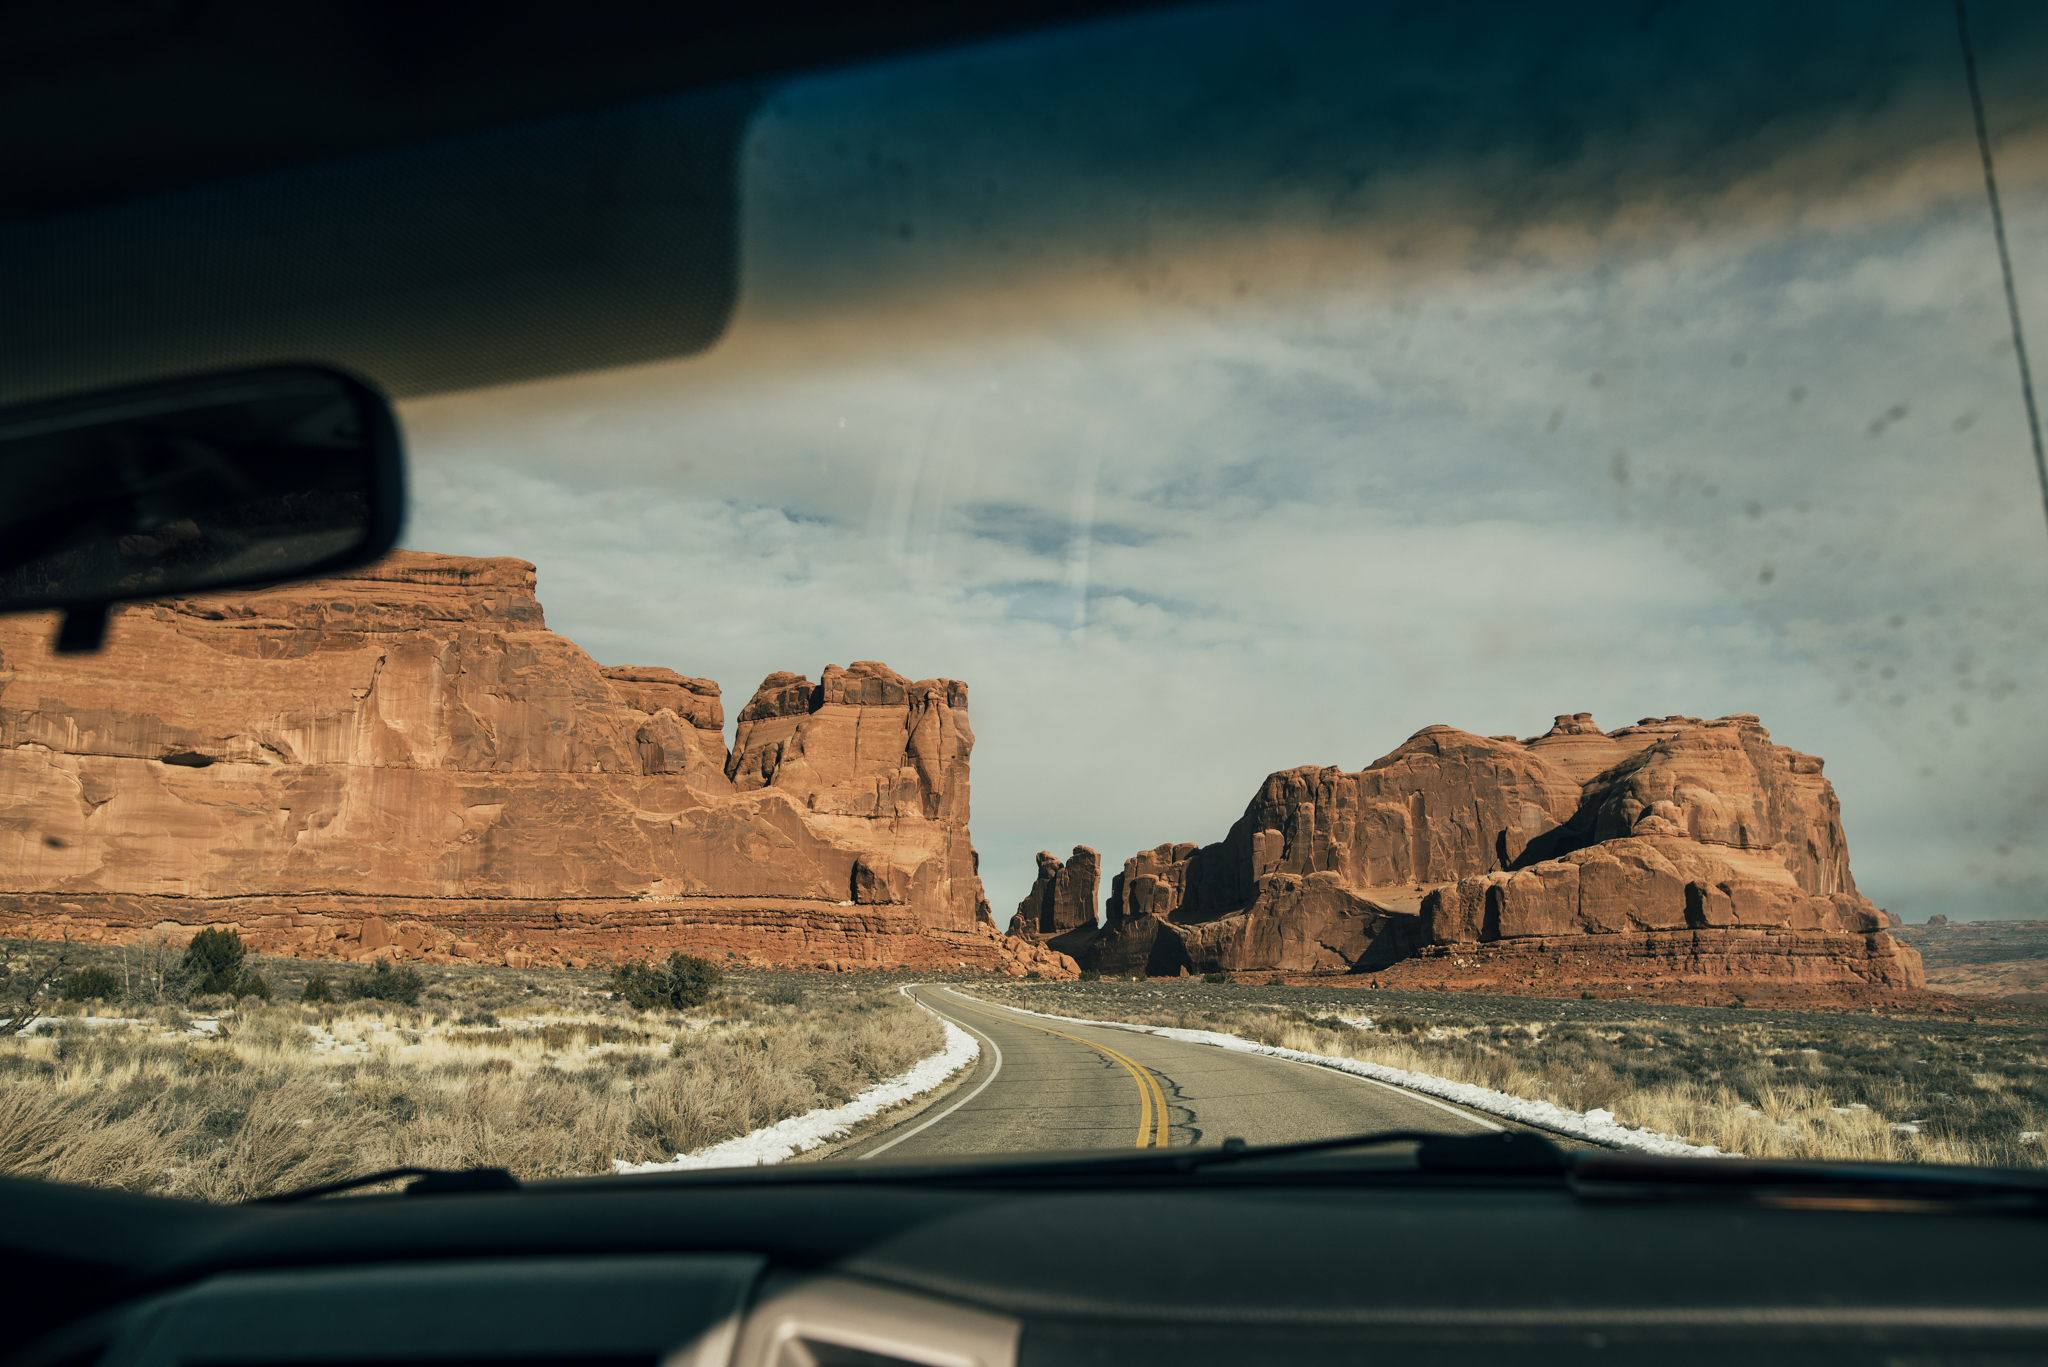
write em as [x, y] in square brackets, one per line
[1674, 841]
[880, 762]
[1063, 897]
[410, 746]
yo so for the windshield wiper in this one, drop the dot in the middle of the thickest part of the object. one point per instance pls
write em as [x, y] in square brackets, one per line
[1499, 1151]
[1506, 1153]
[432, 1182]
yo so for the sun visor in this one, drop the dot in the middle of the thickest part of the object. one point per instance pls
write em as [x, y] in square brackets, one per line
[562, 244]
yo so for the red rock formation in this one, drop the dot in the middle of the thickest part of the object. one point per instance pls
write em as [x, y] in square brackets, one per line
[1701, 967]
[1674, 826]
[1023, 957]
[410, 745]
[1063, 898]
[881, 763]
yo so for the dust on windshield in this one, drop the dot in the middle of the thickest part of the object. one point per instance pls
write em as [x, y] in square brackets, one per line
[1503, 559]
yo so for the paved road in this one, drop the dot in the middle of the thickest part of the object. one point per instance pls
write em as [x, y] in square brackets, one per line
[1047, 1084]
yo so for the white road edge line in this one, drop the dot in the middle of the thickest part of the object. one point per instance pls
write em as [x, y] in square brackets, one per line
[1410, 1093]
[1599, 1127]
[994, 1048]
[801, 1133]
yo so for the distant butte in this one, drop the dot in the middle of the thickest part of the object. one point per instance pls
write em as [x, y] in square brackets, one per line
[1063, 898]
[1675, 851]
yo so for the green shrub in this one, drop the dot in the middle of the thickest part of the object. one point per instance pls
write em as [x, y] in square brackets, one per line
[1089, 975]
[212, 965]
[385, 984]
[253, 985]
[1220, 977]
[681, 983]
[88, 984]
[319, 988]
[1034, 976]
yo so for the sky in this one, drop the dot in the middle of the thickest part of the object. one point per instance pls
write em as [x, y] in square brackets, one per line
[1253, 386]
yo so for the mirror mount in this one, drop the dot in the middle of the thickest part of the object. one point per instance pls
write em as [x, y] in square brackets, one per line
[201, 484]
[83, 630]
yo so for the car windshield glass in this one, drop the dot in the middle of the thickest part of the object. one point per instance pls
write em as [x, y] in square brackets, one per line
[1502, 559]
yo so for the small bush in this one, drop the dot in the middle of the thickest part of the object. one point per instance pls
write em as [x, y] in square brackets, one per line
[281, 1030]
[212, 965]
[1222, 977]
[253, 985]
[385, 984]
[319, 988]
[1089, 975]
[681, 983]
[1034, 976]
[88, 984]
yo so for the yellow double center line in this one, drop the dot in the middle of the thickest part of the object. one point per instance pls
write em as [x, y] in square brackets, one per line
[1152, 1118]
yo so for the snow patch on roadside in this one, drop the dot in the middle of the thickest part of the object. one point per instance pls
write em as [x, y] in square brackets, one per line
[202, 1025]
[90, 1022]
[1598, 1126]
[801, 1133]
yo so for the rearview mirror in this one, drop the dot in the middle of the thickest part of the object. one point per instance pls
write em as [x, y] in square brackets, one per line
[183, 486]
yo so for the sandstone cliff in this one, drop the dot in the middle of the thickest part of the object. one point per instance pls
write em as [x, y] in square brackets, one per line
[1063, 897]
[1677, 845]
[405, 760]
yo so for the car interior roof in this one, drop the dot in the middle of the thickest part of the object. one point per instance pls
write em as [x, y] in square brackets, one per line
[126, 98]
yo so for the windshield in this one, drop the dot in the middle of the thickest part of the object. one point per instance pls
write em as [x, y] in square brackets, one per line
[1500, 560]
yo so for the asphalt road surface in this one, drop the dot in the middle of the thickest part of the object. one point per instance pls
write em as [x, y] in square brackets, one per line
[1047, 1084]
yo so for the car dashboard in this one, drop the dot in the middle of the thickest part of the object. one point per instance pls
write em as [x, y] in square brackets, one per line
[709, 1270]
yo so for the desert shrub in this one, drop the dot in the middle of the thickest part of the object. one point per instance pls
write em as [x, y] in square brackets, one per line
[252, 985]
[1223, 977]
[266, 1104]
[88, 984]
[319, 988]
[679, 984]
[1034, 975]
[1089, 975]
[385, 984]
[212, 965]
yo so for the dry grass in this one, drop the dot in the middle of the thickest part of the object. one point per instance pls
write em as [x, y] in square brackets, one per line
[487, 1072]
[1858, 1089]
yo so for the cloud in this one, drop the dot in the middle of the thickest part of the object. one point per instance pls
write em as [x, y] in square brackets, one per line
[1246, 466]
